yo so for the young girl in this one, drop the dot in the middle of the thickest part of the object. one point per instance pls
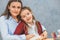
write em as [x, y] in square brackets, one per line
[29, 25]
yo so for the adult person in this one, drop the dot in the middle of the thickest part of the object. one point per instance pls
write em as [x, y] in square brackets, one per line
[10, 19]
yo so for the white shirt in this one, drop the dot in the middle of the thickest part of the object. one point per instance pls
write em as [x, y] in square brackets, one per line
[7, 28]
[32, 29]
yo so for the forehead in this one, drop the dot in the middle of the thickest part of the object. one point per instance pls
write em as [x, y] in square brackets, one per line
[25, 11]
[16, 3]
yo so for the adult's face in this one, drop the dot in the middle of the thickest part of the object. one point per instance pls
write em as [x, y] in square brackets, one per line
[14, 8]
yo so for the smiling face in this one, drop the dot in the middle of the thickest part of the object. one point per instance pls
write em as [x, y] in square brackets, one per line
[26, 15]
[15, 8]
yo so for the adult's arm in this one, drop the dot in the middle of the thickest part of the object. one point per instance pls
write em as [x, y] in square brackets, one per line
[5, 34]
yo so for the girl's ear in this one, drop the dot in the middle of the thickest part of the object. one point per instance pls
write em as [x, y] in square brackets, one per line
[33, 17]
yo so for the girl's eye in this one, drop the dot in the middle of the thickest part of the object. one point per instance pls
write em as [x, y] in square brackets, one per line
[27, 13]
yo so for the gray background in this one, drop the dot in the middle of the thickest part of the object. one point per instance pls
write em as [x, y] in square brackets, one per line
[45, 11]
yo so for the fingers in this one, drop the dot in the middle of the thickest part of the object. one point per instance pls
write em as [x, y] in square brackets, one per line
[44, 34]
[39, 39]
[29, 36]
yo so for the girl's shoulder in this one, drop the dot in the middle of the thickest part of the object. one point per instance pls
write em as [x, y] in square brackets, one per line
[38, 22]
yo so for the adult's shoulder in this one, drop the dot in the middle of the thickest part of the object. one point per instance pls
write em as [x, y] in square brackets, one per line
[2, 18]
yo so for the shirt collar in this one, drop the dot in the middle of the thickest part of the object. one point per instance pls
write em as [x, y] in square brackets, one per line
[11, 18]
[33, 23]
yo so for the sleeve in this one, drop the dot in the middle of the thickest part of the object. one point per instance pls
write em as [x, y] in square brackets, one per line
[4, 32]
[43, 28]
[19, 29]
[58, 31]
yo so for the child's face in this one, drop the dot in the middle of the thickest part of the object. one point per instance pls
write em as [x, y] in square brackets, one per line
[26, 15]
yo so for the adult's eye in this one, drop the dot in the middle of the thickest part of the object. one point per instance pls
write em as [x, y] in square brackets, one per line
[13, 6]
[18, 7]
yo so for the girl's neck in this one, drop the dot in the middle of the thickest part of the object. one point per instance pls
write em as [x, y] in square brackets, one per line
[31, 23]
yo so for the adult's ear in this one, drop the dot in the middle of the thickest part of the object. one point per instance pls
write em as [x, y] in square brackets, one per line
[8, 7]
